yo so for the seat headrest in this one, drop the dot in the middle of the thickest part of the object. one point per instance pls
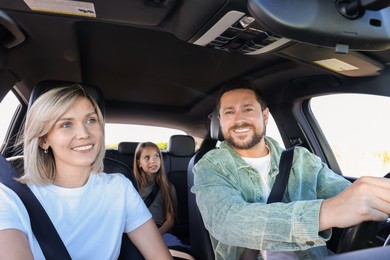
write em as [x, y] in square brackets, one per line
[127, 147]
[215, 129]
[46, 85]
[181, 145]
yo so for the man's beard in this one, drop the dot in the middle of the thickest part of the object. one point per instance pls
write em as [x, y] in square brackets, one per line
[254, 139]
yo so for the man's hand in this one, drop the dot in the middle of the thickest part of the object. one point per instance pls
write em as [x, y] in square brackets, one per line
[367, 199]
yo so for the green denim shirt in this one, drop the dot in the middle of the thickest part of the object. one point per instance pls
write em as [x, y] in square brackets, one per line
[230, 198]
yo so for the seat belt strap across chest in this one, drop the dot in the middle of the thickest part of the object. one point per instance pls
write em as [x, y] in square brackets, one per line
[42, 227]
[276, 194]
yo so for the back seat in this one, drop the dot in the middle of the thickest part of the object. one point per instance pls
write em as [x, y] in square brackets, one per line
[126, 152]
[181, 148]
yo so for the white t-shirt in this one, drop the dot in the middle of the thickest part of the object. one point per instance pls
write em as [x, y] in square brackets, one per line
[90, 220]
[263, 166]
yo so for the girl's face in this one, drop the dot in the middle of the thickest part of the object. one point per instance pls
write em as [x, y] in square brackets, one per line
[149, 161]
[76, 137]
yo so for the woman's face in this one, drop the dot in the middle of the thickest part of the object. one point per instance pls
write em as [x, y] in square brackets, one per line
[76, 137]
[149, 161]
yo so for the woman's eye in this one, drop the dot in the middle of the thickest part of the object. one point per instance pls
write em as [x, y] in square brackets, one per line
[157, 156]
[66, 125]
[91, 120]
[147, 158]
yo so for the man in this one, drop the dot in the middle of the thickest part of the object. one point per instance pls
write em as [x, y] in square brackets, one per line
[232, 185]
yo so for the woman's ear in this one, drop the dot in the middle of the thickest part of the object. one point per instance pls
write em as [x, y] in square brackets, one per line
[44, 144]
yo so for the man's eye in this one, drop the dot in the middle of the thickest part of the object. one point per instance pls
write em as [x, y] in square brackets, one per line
[229, 113]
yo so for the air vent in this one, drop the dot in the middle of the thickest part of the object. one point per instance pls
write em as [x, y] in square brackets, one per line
[239, 33]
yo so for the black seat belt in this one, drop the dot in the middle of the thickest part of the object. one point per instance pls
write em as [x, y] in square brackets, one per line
[276, 194]
[152, 195]
[281, 180]
[42, 227]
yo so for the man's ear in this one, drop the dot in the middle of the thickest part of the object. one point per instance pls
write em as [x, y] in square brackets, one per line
[265, 115]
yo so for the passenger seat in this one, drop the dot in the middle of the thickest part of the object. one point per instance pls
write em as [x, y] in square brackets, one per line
[181, 148]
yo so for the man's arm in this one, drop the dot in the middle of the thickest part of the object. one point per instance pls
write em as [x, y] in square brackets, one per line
[367, 199]
[14, 245]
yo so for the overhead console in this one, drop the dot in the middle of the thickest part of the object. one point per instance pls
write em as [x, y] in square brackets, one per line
[237, 32]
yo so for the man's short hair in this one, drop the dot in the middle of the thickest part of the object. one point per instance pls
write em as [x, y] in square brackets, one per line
[240, 84]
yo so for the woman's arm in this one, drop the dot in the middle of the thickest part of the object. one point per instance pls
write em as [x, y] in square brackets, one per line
[14, 245]
[149, 241]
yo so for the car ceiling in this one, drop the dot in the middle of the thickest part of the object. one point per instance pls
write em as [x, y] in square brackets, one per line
[143, 57]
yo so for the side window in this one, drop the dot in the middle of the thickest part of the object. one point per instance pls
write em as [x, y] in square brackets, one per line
[357, 128]
[8, 108]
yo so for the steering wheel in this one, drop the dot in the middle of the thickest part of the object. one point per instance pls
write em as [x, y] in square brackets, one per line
[365, 235]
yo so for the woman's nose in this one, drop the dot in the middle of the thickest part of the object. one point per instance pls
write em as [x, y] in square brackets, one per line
[82, 131]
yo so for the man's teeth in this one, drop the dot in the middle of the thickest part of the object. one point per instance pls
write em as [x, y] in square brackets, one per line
[82, 148]
[241, 130]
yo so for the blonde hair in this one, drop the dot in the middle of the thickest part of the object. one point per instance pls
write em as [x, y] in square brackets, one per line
[39, 166]
[169, 197]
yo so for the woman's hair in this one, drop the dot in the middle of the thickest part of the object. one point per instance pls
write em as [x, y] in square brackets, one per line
[161, 179]
[40, 167]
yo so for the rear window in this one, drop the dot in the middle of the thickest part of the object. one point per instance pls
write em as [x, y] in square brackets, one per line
[116, 133]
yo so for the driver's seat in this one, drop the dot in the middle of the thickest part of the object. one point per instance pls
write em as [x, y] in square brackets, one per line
[200, 241]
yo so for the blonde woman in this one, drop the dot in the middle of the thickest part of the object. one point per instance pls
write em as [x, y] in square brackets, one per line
[63, 152]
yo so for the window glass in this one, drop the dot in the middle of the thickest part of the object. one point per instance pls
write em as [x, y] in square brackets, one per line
[357, 128]
[8, 108]
[116, 133]
[273, 131]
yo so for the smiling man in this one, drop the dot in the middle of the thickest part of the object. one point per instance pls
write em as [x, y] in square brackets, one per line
[232, 185]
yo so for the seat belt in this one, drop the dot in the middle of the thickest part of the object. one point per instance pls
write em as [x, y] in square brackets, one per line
[42, 227]
[276, 194]
[152, 195]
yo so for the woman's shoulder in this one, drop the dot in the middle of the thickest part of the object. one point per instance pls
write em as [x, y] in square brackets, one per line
[110, 179]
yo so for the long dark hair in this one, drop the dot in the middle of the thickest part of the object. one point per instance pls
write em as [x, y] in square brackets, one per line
[161, 178]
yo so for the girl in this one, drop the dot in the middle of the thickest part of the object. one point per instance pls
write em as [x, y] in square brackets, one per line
[157, 192]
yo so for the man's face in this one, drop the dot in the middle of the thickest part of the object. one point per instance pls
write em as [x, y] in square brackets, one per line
[242, 121]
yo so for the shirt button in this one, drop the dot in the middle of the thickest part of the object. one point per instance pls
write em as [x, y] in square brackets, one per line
[310, 243]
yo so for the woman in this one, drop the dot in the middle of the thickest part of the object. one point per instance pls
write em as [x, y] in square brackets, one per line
[63, 152]
[155, 189]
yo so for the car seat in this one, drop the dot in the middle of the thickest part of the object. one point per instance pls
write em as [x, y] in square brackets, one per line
[126, 153]
[180, 150]
[200, 241]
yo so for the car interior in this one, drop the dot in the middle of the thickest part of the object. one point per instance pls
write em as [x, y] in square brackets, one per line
[162, 62]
